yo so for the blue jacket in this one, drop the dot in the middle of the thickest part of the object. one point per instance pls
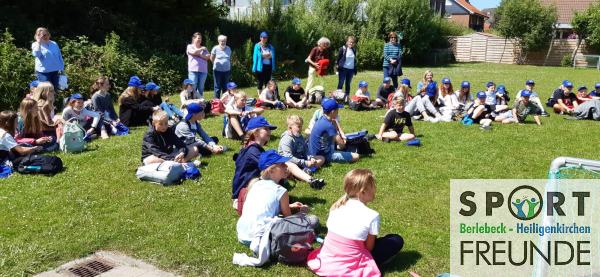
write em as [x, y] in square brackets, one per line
[257, 63]
[246, 168]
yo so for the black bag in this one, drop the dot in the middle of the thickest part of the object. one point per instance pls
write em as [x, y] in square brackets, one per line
[360, 146]
[292, 238]
[38, 164]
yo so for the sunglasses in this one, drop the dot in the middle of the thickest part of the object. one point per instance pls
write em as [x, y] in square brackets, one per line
[393, 37]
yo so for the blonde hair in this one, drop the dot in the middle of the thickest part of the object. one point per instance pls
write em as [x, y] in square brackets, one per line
[41, 29]
[425, 82]
[159, 115]
[129, 92]
[44, 96]
[31, 119]
[268, 172]
[355, 181]
[249, 137]
[239, 95]
[294, 120]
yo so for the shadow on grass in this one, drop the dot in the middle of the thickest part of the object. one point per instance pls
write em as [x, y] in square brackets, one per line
[308, 200]
[402, 262]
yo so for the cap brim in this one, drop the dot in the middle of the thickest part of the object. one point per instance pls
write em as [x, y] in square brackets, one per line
[271, 127]
[283, 159]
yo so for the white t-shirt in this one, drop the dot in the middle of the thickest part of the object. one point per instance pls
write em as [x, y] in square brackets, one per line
[349, 63]
[261, 206]
[354, 220]
[7, 142]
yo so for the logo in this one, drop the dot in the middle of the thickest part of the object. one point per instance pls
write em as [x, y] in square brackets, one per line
[526, 202]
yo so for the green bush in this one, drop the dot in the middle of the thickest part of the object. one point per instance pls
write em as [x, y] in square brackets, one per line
[16, 67]
[370, 53]
[567, 60]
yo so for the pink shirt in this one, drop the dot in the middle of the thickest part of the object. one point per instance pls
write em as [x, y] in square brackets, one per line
[196, 64]
[340, 256]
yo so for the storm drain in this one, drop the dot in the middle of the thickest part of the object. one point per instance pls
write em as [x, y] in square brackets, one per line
[93, 268]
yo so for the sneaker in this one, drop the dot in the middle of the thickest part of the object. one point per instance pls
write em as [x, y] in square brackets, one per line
[545, 114]
[197, 163]
[485, 128]
[317, 183]
[433, 119]
[370, 137]
[416, 117]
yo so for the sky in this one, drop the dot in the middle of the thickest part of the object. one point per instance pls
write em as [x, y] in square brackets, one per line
[484, 4]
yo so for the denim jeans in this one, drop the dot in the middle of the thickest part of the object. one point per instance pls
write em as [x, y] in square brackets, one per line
[221, 79]
[199, 78]
[51, 77]
[345, 76]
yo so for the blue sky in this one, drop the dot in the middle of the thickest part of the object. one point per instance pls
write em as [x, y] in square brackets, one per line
[484, 4]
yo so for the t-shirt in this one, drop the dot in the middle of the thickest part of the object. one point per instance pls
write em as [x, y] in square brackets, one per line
[490, 98]
[567, 99]
[383, 93]
[524, 110]
[195, 63]
[595, 93]
[7, 141]
[349, 62]
[316, 54]
[268, 94]
[320, 141]
[260, 207]
[354, 220]
[396, 121]
[296, 95]
[222, 58]
[264, 50]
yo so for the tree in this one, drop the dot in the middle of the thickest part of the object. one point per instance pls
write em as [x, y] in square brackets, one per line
[527, 21]
[585, 24]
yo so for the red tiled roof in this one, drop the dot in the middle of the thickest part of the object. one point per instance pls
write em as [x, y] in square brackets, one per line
[566, 8]
[470, 7]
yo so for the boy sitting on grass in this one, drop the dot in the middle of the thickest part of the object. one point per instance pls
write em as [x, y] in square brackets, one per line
[293, 145]
[394, 122]
[522, 108]
[236, 113]
[161, 144]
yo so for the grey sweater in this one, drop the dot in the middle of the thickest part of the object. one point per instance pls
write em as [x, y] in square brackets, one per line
[293, 147]
[103, 104]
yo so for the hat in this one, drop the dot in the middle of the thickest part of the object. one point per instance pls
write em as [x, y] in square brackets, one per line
[406, 81]
[134, 81]
[34, 84]
[481, 94]
[414, 142]
[330, 105]
[269, 158]
[296, 81]
[526, 93]
[529, 83]
[387, 80]
[501, 89]
[597, 85]
[150, 86]
[188, 82]
[446, 81]
[431, 89]
[76, 96]
[193, 109]
[258, 122]
[582, 88]
[157, 88]
[567, 83]
[231, 85]
[264, 35]
[489, 84]
[363, 84]
[465, 84]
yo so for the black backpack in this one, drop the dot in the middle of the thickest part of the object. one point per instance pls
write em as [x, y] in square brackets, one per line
[358, 142]
[38, 164]
[291, 239]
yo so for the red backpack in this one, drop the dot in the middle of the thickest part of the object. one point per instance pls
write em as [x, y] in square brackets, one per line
[216, 106]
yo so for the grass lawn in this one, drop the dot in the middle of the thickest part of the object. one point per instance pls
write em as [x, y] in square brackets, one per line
[98, 204]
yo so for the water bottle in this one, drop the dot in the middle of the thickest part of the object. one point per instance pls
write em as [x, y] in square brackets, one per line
[33, 168]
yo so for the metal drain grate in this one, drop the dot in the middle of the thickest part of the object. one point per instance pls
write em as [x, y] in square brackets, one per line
[92, 268]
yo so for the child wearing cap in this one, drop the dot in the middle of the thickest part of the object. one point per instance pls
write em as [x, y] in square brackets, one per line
[75, 110]
[131, 110]
[403, 91]
[189, 95]
[339, 96]
[236, 114]
[161, 144]
[530, 85]
[325, 135]
[190, 126]
[522, 108]
[362, 98]
[595, 94]
[479, 112]
[582, 95]
[293, 145]
[564, 100]
[425, 104]
[269, 97]
[490, 94]
[384, 91]
[228, 95]
[463, 96]
[393, 123]
[295, 96]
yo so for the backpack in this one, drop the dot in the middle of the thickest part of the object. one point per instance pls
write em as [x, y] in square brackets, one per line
[217, 106]
[72, 140]
[291, 239]
[315, 94]
[165, 173]
[38, 164]
[358, 142]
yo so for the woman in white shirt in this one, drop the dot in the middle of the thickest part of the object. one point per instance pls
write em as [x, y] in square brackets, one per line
[346, 64]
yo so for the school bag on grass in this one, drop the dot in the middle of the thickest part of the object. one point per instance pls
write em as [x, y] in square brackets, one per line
[72, 140]
[165, 173]
[316, 94]
[291, 239]
[38, 164]
[358, 142]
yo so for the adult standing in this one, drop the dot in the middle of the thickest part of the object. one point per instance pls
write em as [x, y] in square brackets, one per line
[198, 57]
[346, 64]
[48, 59]
[220, 56]
[392, 58]
[263, 61]
[318, 61]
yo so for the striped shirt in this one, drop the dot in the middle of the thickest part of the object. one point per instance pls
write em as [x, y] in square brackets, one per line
[389, 51]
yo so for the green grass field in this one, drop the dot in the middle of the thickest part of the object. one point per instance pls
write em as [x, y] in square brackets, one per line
[98, 204]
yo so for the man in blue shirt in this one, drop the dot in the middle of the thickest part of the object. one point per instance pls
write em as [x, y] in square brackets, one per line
[324, 136]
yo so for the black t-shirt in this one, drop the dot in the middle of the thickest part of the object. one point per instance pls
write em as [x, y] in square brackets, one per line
[383, 93]
[296, 95]
[396, 121]
[567, 99]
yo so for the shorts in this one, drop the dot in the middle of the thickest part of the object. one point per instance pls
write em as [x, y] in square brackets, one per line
[340, 157]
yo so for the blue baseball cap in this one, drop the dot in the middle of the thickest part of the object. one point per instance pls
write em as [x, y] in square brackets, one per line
[192, 109]
[431, 89]
[501, 89]
[296, 81]
[446, 81]
[329, 105]
[231, 85]
[269, 158]
[34, 84]
[264, 35]
[76, 96]
[188, 82]
[414, 142]
[157, 87]
[582, 88]
[259, 122]
[387, 80]
[526, 93]
[406, 81]
[529, 83]
[150, 86]
[597, 85]
[363, 84]
[465, 84]
[567, 83]
[134, 81]
[489, 84]
[481, 94]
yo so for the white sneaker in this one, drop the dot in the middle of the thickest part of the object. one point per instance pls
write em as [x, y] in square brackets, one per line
[433, 119]
[197, 163]
[235, 204]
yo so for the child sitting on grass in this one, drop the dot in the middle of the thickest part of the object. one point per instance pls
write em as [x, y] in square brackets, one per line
[87, 119]
[295, 96]
[339, 96]
[535, 98]
[522, 108]
[293, 145]
[29, 130]
[9, 148]
[394, 122]
[384, 91]
[161, 144]
[582, 95]
[190, 126]
[269, 97]
[362, 99]
[229, 95]
[564, 101]
[236, 114]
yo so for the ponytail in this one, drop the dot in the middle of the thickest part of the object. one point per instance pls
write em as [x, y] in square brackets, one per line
[340, 202]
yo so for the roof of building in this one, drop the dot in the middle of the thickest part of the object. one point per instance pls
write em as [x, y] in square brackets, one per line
[566, 8]
[470, 8]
